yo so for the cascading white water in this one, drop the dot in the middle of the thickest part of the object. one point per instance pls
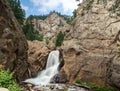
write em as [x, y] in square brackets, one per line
[51, 70]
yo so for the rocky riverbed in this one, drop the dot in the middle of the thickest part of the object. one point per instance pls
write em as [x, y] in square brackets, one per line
[56, 87]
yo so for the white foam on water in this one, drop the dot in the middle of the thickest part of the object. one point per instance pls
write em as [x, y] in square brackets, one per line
[51, 70]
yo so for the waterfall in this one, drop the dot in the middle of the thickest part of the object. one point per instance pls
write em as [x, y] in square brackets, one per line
[44, 77]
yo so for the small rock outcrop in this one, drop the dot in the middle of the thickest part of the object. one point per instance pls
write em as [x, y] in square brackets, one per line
[13, 44]
[91, 54]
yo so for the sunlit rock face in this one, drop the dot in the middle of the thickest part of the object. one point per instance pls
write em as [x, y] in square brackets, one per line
[13, 44]
[37, 56]
[91, 53]
[51, 26]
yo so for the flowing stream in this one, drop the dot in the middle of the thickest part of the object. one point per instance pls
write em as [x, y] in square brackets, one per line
[44, 77]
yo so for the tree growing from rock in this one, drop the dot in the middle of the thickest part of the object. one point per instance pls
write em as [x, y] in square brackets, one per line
[60, 38]
[17, 10]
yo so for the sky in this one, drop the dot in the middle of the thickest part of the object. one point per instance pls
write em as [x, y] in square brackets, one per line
[42, 7]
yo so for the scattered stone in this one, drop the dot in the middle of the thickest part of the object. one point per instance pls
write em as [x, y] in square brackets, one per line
[51, 87]
[4, 89]
[58, 87]
[29, 85]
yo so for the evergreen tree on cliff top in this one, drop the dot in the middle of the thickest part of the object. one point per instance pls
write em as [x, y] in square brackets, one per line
[18, 11]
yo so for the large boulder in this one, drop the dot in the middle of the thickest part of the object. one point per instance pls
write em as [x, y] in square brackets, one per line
[13, 44]
[92, 54]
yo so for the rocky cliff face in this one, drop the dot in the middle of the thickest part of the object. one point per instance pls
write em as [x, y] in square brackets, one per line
[92, 50]
[37, 56]
[13, 44]
[51, 26]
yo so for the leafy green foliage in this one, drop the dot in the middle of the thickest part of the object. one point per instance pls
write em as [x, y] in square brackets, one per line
[79, 81]
[14, 87]
[7, 81]
[65, 89]
[29, 30]
[5, 78]
[41, 17]
[47, 41]
[67, 18]
[95, 87]
[60, 38]
[39, 37]
[17, 10]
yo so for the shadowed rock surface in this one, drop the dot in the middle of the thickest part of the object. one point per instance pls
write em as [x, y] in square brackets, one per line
[13, 44]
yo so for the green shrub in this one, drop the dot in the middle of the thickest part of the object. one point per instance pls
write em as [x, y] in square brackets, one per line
[39, 37]
[78, 81]
[7, 81]
[65, 89]
[47, 41]
[95, 87]
[59, 39]
[5, 78]
[14, 87]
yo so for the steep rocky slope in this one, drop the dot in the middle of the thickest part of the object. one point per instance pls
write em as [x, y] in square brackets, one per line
[13, 44]
[51, 26]
[90, 48]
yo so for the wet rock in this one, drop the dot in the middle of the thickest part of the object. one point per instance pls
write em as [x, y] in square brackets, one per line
[63, 76]
[52, 87]
[59, 87]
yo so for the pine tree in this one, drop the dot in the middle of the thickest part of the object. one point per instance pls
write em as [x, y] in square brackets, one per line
[18, 11]
[60, 38]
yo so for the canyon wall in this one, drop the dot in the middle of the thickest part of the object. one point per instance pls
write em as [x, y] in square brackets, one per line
[13, 44]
